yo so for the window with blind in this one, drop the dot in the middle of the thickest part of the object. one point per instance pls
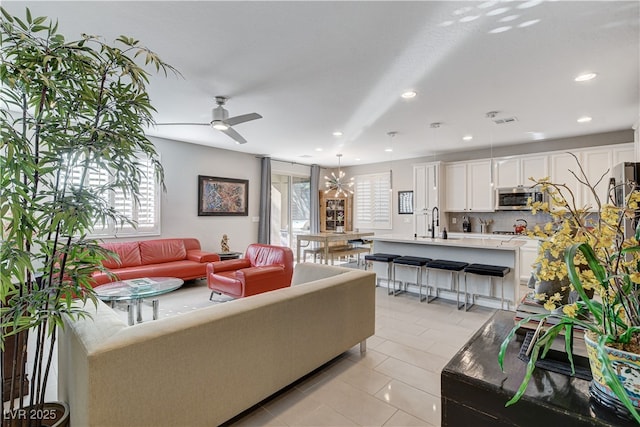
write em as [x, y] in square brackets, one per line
[372, 201]
[145, 214]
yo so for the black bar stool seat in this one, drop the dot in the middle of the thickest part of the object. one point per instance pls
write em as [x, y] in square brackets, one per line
[382, 257]
[485, 270]
[414, 262]
[455, 267]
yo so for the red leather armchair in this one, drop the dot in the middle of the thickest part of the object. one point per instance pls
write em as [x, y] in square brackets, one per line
[263, 268]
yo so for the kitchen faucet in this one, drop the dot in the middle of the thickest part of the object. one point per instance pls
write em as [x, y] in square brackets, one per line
[435, 221]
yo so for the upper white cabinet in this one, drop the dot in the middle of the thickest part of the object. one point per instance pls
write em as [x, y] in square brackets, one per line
[456, 187]
[427, 190]
[561, 166]
[508, 172]
[514, 171]
[624, 153]
[597, 163]
[479, 186]
[536, 167]
[468, 186]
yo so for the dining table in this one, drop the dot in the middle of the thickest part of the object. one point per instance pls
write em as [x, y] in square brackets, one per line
[326, 238]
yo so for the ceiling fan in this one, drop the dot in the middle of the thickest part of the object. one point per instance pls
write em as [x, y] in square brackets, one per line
[221, 121]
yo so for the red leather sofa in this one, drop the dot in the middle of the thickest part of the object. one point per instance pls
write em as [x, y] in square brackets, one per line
[180, 258]
[263, 268]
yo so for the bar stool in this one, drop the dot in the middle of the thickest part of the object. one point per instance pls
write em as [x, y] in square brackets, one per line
[485, 270]
[454, 267]
[380, 257]
[419, 264]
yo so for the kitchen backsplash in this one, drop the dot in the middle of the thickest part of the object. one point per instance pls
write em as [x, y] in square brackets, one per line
[496, 221]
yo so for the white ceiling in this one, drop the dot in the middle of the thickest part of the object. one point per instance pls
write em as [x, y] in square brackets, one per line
[311, 68]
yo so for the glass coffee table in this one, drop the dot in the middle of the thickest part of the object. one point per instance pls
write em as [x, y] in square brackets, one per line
[133, 291]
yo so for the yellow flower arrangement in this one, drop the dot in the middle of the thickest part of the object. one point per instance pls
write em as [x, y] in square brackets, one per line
[588, 246]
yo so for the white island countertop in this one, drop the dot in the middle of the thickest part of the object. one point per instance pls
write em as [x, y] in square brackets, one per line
[462, 242]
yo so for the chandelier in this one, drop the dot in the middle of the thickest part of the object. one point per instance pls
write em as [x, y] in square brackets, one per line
[337, 183]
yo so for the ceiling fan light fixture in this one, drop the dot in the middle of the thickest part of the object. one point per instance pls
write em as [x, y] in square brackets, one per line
[219, 125]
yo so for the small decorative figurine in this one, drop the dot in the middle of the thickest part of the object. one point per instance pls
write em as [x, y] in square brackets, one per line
[224, 244]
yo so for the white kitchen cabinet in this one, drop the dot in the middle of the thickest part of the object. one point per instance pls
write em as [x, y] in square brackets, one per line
[623, 153]
[456, 187]
[561, 164]
[508, 172]
[479, 186]
[427, 190]
[533, 167]
[514, 171]
[597, 165]
[468, 186]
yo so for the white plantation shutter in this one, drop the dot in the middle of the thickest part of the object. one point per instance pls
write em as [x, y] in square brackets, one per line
[373, 201]
[145, 214]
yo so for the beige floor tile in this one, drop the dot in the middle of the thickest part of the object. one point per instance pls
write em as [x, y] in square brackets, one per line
[421, 342]
[369, 359]
[363, 378]
[360, 407]
[325, 416]
[404, 326]
[410, 374]
[374, 341]
[422, 359]
[291, 406]
[402, 419]
[414, 402]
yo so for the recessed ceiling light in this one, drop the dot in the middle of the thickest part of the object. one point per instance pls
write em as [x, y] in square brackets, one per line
[528, 23]
[337, 133]
[500, 29]
[585, 119]
[409, 94]
[357, 159]
[467, 137]
[388, 150]
[585, 77]
[318, 149]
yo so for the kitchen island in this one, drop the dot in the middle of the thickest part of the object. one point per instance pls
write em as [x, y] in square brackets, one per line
[467, 249]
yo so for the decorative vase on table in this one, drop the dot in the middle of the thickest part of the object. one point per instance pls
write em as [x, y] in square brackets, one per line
[626, 366]
[590, 246]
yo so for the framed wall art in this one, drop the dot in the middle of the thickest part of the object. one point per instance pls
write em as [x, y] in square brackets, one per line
[405, 202]
[222, 196]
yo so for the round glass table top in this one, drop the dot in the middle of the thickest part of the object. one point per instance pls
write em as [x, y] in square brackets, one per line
[145, 287]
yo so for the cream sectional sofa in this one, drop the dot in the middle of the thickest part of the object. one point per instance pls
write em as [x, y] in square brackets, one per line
[205, 367]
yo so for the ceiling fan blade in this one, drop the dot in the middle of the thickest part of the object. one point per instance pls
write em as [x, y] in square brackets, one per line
[234, 135]
[231, 121]
[183, 124]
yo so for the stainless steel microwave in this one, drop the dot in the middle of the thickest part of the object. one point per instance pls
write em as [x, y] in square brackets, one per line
[517, 198]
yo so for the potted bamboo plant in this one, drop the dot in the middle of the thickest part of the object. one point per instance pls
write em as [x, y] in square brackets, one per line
[68, 108]
[602, 263]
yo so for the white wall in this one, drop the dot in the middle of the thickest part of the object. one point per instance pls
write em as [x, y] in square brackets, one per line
[182, 163]
[402, 181]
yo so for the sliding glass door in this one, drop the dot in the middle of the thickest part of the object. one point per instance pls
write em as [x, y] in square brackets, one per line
[290, 208]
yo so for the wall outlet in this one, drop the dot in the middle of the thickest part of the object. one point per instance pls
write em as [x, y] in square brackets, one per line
[454, 220]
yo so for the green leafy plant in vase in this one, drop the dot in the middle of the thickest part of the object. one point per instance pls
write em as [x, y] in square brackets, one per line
[588, 245]
[68, 108]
